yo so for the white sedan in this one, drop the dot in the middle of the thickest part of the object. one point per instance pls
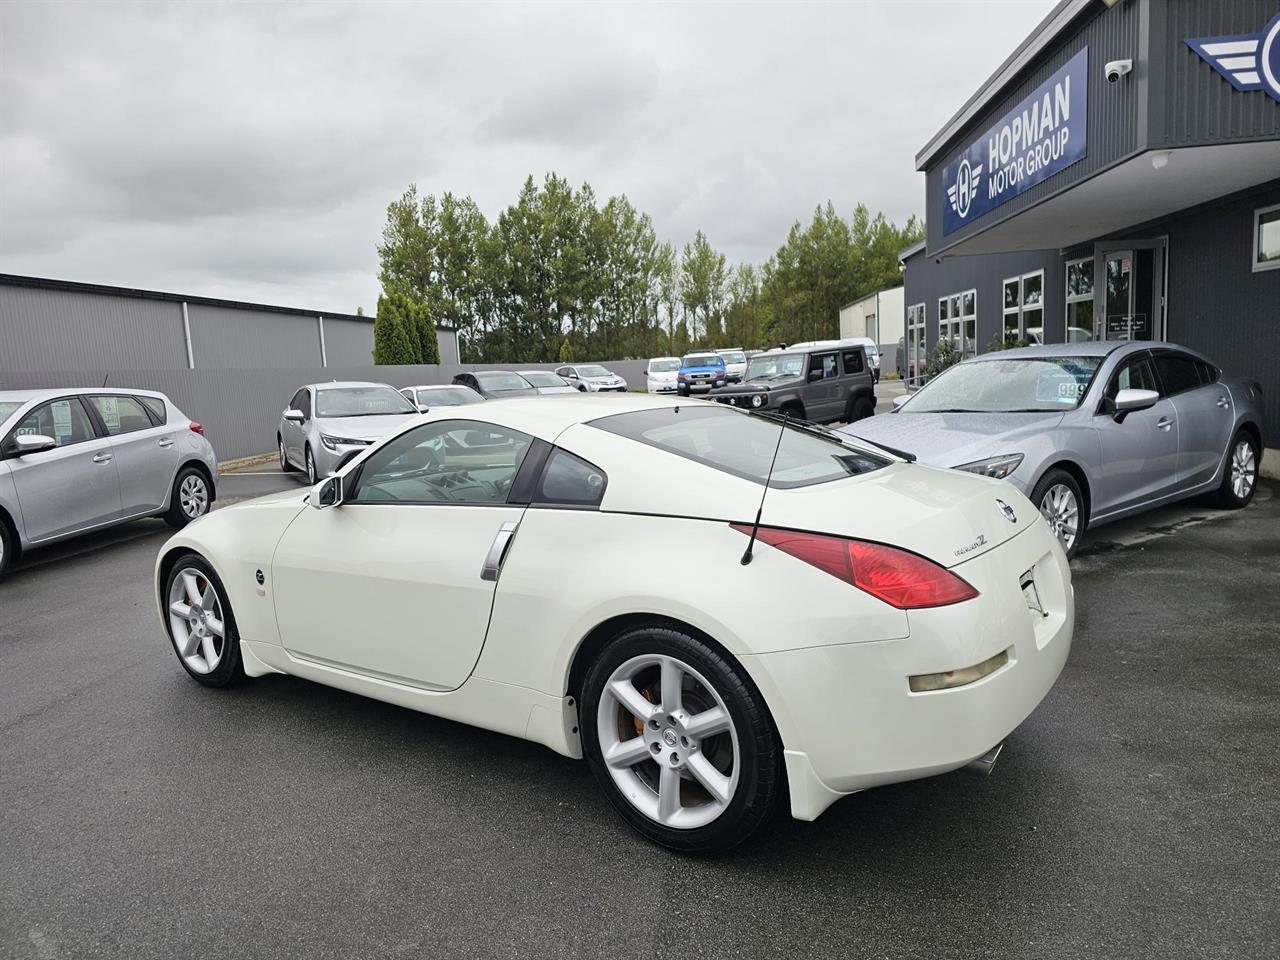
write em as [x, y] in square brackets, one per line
[884, 621]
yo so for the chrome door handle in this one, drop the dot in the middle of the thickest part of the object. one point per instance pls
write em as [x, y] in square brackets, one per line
[1223, 402]
[166, 442]
[102, 458]
[1164, 423]
[498, 550]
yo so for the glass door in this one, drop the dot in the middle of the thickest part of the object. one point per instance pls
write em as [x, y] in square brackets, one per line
[1131, 298]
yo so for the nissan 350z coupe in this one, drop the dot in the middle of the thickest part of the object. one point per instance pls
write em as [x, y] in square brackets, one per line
[902, 619]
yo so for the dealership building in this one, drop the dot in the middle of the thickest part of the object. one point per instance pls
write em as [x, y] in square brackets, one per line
[1118, 177]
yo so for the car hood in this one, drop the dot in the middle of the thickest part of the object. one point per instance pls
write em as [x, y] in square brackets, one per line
[513, 392]
[362, 428]
[555, 389]
[706, 369]
[950, 439]
[664, 375]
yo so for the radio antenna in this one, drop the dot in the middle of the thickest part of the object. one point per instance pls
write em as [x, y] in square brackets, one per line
[755, 527]
[104, 379]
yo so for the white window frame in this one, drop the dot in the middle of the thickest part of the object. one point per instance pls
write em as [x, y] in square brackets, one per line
[920, 326]
[1070, 298]
[1021, 309]
[954, 326]
[1258, 266]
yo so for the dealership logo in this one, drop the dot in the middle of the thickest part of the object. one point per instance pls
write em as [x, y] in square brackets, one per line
[961, 194]
[1249, 61]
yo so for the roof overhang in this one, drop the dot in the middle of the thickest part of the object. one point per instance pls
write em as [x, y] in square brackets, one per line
[1050, 28]
[1126, 195]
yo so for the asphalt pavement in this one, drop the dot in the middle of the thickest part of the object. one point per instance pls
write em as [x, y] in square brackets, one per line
[1135, 814]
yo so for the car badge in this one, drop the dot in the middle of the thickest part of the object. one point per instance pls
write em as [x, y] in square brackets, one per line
[1007, 511]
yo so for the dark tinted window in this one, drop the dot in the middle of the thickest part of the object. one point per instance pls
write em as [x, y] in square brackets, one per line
[1136, 374]
[1208, 372]
[567, 479]
[156, 406]
[121, 414]
[301, 401]
[853, 361]
[64, 420]
[1178, 372]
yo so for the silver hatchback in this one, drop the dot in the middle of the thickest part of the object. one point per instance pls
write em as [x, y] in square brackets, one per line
[76, 460]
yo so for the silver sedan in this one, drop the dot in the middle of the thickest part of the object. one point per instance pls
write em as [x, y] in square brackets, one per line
[326, 422]
[1090, 432]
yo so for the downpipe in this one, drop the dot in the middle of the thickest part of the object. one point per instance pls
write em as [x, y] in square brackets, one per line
[984, 764]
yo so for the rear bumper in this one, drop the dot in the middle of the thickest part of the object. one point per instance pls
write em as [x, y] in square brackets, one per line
[848, 717]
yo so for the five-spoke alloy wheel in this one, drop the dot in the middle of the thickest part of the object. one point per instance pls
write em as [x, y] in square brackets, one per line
[201, 624]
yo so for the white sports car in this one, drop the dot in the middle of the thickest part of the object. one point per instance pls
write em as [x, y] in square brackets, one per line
[712, 645]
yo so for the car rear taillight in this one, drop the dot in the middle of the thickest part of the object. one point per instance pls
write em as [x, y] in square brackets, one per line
[901, 579]
[197, 428]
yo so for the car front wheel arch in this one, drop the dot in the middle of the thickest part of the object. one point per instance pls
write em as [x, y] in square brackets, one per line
[1078, 475]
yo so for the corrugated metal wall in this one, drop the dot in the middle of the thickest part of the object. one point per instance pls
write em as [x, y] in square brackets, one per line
[348, 342]
[223, 337]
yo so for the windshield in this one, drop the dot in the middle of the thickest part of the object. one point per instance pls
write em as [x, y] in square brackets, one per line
[360, 402]
[743, 445]
[593, 370]
[664, 366]
[7, 407]
[1016, 385]
[502, 381]
[734, 356]
[702, 360]
[775, 366]
[448, 397]
[541, 378]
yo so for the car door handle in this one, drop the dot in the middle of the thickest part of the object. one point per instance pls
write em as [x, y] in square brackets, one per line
[1223, 402]
[498, 550]
[166, 442]
[103, 457]
[1164, 423]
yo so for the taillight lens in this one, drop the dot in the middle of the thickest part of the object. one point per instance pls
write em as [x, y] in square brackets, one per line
[901, 579]
[197, 428]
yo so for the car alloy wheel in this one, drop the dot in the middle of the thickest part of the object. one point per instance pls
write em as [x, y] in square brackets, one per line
[196, 621]
[668, 741]
[284, 458]
[311, 468]
[1244, 469]
[1059, 508]
[194, 496]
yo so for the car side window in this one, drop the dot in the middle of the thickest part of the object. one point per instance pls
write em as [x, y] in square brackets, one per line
[66, 421]
[451, 461]
[1135, 374]
[853, 361]
[299, 401]
[156, 406]
[1178, 373]
[121, 414]
[1208, 372]
[569, 480]
[824, 362]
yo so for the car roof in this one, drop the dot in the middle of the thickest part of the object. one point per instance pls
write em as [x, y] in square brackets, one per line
[52, 393]
[439, 386]
[347, 383]
[548, 416]
[1086, 348]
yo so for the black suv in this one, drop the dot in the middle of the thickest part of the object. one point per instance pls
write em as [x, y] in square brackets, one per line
[820, 383]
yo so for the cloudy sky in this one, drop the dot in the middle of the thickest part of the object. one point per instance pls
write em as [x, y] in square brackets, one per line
[249, 151]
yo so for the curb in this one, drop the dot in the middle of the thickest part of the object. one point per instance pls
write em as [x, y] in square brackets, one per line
[227, 466]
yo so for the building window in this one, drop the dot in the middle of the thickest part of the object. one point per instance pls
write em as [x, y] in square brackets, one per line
[913, 363]
[1080, 301]
[1024, 308]
[958, 321]
[1266, 238]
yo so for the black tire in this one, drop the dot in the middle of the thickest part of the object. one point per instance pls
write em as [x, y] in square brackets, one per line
[760, 784]
[8, 548]
[1239, 473]
[1051, 482]
[230, 666]
[190, 498]
[681, 392]
[859, 409]
[285, 465]
[312, 479]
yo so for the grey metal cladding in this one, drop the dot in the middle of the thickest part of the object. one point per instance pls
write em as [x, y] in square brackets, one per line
[226, 337]
[1112, 127]
[348, 342]
[1197, 105]
[56, 329]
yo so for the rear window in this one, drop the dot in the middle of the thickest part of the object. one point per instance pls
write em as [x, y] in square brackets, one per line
[742, 445]
[502, 381]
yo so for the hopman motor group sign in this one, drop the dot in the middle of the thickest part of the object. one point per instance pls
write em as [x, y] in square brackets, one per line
[1041, 136]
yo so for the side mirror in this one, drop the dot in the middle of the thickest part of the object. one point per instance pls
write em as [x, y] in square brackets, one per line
[32, 443]
[899, 401]
[327, 493]
[294, 416]
[423, 408]
[1129, 401]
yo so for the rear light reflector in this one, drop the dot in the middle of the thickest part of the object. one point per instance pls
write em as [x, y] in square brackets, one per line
[957, 678]
[197, 428]
[901, 579]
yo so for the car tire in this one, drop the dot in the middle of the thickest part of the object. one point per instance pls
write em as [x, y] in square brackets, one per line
[859, 409]
[311, 467]
[190, 498]
[666, 792]
[209, 659]
[7, 548]
[681, 393]
[285, 465]
[1059, 499]
[1240, 473]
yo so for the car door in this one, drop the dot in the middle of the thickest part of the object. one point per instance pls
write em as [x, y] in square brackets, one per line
[72, 487]
[292, 433]
[1205, 415]
[822, 397]
[146, 456]
[1139, 455]
[397, 582]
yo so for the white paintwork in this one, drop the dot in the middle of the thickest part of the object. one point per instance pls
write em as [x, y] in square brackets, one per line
[386, 600]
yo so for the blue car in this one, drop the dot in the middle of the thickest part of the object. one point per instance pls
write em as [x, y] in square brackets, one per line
[699, 372]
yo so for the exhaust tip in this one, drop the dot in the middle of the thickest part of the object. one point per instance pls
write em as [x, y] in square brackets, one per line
[984, 764]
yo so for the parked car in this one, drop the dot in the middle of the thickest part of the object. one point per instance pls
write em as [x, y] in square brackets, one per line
[325, 422]
[868, 345]
[1091, 432]
[544, 381]
[592, 378]
[932, 621]
[660, 375]
[735, 364]
[700, 372]
[440, 395]
[496, 384]
[77, 460]
[818, 383]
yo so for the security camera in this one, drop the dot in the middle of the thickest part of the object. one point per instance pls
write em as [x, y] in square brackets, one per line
[1117, 69]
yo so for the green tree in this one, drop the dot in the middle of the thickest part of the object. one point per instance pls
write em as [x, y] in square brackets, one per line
[703, 280]
[393, 342]
[566, 351]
